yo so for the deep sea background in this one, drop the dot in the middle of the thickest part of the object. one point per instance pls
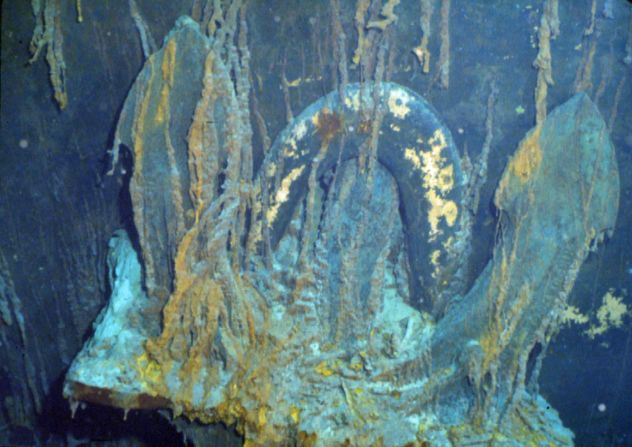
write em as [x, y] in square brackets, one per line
[58, 209]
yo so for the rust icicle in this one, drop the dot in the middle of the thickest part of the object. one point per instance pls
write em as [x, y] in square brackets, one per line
[388, 12]
[583, 76]
[444, 49]
[79, 11]
[47, 33]
[549, 29]
[421, 51]
[361, 10]
[146, 40]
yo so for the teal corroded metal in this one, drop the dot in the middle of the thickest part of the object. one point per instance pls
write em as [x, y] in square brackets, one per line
[415, 147]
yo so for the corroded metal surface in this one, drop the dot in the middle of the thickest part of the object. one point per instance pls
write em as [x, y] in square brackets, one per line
[292, 313]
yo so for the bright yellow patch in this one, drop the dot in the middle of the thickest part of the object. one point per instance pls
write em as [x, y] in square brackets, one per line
[434, 260]
[437, 180]
[295, 414]
[262, 418]
[283, 193]
[528, 157]
[610, 314]
[299, 131]
[437, 142]
[431, 163]
[323, 369]
[450, 212]
[149, 370]
[352, 101]
[434, 257]
[572, 314]
[398, 101]
[168, 70]
[298, 81]
[411, 154]
[440, 208]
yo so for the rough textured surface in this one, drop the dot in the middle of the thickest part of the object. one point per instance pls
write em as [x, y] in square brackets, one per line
[557, 198]
[415, 147]
[302, 326]
[167, 88]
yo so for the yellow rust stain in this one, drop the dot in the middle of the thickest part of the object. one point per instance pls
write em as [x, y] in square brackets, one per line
[436, 174]
[290, 152]
[436, 264]
[437, 179]
[362, 6]
[503, 325]
[398, 100]
[295, 414]
[528, 157]
[139, 122]
[299, 131]
[440, 208]
[610, 314]
[411, 154]
[149, 371]
[197, 132]
[262, 418]
[572, 314]
[323, 369]
[283, 193]
[434, 257]
[352, 101]
[252, 329]
[298, 81]
[522, 167]
[437, 141]
[168, 70]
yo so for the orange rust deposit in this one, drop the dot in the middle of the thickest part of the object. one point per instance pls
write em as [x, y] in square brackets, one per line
[328, 124]
[365, 126]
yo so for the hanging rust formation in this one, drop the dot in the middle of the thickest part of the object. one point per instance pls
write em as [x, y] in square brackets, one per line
[47, 34]
[549, 29]
[79, 9]
[506, 313]
[146, 40]
[418, 141]
[583, 77]
[444, 49]
[321, 300]
[388, 14]
[421, 51]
